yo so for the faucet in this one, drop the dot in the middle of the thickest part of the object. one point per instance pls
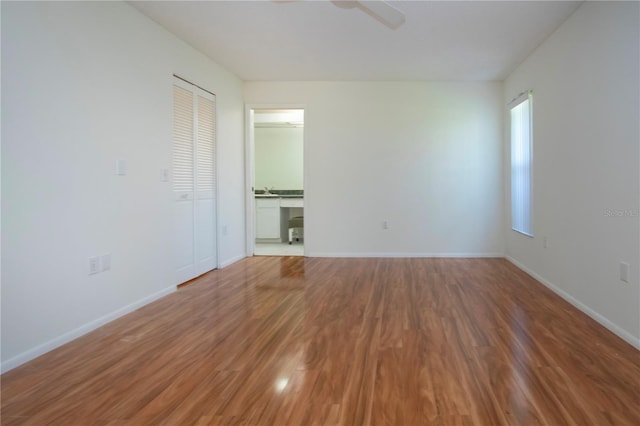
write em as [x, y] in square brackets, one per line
[267, 190]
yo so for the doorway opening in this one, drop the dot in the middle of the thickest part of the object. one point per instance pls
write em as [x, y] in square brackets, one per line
[276, 175]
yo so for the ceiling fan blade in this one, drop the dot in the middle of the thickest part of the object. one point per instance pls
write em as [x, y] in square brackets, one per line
[380, 10]
[383, 12]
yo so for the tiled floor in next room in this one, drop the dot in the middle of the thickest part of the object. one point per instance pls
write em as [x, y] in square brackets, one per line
[279, 249]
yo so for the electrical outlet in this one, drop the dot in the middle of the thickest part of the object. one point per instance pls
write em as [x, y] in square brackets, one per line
[94, 265]
[385, 224]
[624, 272]
[164, 175]
[105, 262]
[544, 242]
[225, 230]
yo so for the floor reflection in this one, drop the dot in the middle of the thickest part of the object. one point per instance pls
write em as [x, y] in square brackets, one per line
[520, 366]
[289, 276]
[292, 267]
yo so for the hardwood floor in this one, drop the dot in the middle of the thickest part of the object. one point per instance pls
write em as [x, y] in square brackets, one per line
[305, 341]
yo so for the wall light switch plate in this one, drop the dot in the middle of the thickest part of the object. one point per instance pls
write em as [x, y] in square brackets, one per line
[121, 167]
[105, 262]
[164, 175]
[94, 265]
[624, 272]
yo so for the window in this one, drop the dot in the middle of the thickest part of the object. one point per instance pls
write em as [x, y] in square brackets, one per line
[521, 164]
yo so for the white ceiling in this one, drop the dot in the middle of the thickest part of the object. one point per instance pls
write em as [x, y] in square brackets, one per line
[317, 40]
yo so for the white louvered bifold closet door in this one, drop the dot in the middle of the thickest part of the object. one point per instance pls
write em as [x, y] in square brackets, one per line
[194, 183]
[205, 184]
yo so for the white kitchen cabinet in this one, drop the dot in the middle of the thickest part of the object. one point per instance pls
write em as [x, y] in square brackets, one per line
[268, 218]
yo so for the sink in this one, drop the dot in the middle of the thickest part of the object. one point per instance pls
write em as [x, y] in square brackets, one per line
[267, 195]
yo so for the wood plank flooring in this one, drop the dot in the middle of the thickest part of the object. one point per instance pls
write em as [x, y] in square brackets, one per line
[310, 341]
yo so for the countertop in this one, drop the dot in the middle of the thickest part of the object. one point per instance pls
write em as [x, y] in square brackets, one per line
[279, 196]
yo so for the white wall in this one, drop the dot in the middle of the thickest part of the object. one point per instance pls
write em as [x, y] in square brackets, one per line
[84, 84]
[278, 157]
[424, 156]
[586, 162]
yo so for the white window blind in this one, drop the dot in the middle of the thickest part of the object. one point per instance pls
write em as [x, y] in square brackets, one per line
[182, 140]
[521, 165]
[206, 144]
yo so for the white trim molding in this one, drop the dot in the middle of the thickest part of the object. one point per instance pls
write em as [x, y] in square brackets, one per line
[231, 261]
[620, 332]
[80, 331]
[408, 255]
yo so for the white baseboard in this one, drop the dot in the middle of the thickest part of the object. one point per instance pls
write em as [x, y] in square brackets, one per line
[84, 329]
[406, 255]
[231, 261]
[620, 332]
